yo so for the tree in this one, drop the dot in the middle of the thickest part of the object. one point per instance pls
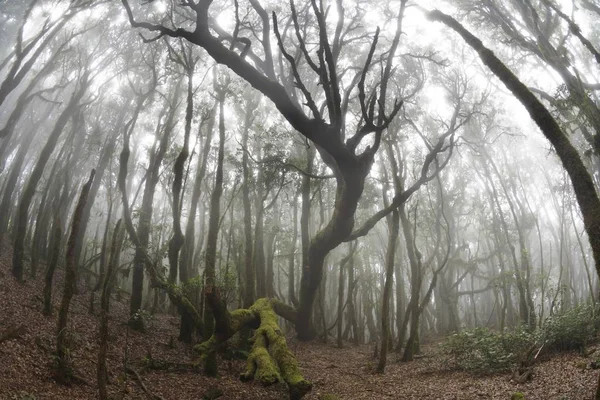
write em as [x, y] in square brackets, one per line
[340, 152]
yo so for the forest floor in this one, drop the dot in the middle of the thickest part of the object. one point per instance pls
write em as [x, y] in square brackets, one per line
[26, 362]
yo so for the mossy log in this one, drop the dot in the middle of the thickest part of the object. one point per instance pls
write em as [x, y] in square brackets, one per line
[270, 360]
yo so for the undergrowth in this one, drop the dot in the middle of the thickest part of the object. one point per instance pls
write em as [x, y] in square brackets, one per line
[482, 350]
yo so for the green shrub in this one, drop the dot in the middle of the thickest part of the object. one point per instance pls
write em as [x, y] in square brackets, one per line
[572, 329]
[482, 350]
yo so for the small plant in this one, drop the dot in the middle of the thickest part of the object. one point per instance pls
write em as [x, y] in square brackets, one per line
[517, 396]
[141, 320]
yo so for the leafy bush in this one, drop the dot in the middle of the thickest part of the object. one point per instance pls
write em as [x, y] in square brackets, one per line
[572, 329]
[482, 350]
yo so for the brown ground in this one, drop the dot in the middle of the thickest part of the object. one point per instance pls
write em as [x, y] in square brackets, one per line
[25, 363]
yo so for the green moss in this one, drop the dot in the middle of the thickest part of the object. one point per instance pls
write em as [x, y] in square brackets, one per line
[208, 355]
[206, 346]
[517, 396]
[239, 318]
[274, 339]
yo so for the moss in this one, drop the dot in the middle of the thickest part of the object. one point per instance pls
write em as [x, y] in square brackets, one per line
[269, 360]
[206, 346]
[239, 318]
[274, 340]
[208, 355]
[517, 396]
[260, 365]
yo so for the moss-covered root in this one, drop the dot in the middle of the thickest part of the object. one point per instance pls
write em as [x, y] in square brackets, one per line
[270, 344]
[208, 355]
[259, 365]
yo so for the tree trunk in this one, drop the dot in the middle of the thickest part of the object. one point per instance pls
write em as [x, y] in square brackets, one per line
[145, 211]
[210, 362]
[54, 256]
[102, 370]
[187, 250]
[387, 290]
[63, 357]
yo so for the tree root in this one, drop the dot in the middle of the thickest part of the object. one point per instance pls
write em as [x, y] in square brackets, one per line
[139, 380]
[13, 332]
[270, 360]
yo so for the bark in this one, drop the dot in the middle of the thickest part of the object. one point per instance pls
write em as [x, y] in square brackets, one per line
[54, 256]
[292, 257]
[250, 272]
[210, 364]
[387, 290]
[271, 247]
[104, 249]
[108, 282]
[63, 353]
[258, 258]
[178, 238]
[353, 323]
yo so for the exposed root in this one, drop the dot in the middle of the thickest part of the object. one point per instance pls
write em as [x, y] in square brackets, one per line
[139, 380]
[13, 332]
[270, 360]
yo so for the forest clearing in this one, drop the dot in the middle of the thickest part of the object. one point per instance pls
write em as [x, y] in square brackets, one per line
[318, 199]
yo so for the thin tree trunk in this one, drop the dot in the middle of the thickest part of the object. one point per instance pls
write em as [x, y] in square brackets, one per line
[210, 362]
[102, 370]
[394, 230]
[63, 353]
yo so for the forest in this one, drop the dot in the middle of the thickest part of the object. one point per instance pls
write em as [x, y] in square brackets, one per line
[317, 199]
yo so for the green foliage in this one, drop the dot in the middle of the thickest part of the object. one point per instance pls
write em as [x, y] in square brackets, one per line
[572, 329]
[482, 350]
[517, 396]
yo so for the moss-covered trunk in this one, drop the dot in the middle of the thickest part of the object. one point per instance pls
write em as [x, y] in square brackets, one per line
[270, 360]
